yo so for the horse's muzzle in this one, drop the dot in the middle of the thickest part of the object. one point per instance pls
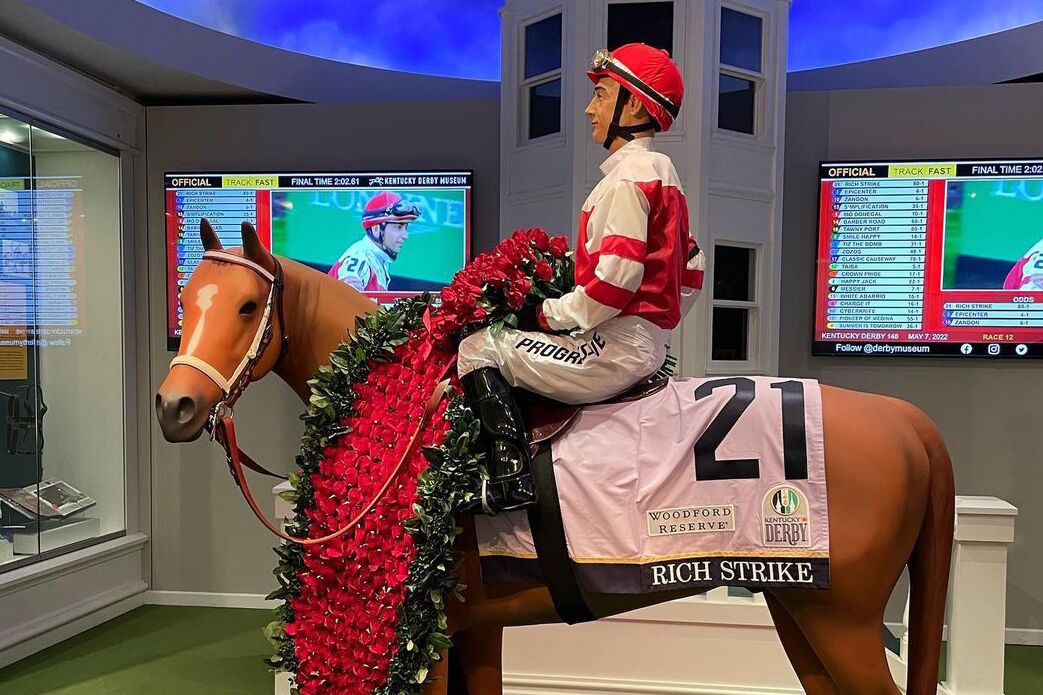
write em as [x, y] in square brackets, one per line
[181, 419]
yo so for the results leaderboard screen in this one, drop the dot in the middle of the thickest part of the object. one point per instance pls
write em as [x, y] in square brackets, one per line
[930, 258]
[316, 219]
[42, 270]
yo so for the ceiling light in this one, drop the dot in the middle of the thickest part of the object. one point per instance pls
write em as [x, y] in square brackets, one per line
[10, 136]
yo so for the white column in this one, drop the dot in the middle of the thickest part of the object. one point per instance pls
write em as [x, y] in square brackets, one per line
[283, 509]
[283, 683]
[977, 611]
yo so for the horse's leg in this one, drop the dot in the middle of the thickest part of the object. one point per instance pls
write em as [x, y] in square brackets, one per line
[847, 642]
[877, 473]
[481, 656]
[814, 677]
[438, 678]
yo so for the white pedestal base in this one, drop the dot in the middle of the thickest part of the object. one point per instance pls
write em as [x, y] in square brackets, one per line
[6, 550]
[283, 683]
[25, 542]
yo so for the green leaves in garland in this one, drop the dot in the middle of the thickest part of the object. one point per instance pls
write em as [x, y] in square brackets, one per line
[444, 485]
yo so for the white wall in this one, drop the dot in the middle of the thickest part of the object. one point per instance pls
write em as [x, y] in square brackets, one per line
[204, 536]
[988, 412]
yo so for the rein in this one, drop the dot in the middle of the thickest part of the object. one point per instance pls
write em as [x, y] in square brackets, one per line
[221, 426]
[236, 467]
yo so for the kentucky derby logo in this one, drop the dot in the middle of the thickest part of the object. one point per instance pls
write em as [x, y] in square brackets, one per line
[786, 518]
[785, 501]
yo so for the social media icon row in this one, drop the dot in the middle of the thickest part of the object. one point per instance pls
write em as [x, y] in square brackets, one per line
[994, 349]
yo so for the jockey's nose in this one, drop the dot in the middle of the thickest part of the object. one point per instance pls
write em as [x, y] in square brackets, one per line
[174, 414]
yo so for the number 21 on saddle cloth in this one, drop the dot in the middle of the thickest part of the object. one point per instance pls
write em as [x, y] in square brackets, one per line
[704, 483]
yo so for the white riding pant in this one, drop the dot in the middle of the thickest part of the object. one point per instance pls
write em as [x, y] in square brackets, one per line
[577, 368]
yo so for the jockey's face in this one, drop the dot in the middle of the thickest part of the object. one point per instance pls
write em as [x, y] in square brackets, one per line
[395, 234]
[600, 108]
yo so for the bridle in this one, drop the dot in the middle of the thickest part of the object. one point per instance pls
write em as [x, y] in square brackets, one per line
[233, 387]
[221, 426]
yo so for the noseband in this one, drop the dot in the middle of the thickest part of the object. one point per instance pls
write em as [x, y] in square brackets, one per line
[220, 424]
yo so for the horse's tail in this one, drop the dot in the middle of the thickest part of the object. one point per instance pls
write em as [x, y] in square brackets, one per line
[929, 564]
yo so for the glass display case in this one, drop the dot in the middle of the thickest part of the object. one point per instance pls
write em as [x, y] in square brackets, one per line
[62, 457]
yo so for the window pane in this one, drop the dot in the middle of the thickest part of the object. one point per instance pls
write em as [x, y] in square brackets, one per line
[79, 260]
[19, 402]
[735, 104]
[641, 22]
[730, 327]
[733, 273]
[61, 347]
[543, 46]
[544, 109]
[740, 39]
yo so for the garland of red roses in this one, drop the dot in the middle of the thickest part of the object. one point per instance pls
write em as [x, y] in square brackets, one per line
[364, 614]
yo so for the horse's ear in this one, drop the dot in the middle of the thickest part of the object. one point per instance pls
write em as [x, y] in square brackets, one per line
[252, 246]
[208, 236]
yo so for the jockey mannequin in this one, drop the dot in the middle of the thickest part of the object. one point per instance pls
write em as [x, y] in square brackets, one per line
[638, 271]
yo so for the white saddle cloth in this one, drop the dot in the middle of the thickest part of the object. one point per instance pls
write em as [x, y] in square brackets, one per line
[709, 482]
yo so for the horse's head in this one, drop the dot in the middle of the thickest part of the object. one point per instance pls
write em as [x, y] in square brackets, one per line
[230, 302]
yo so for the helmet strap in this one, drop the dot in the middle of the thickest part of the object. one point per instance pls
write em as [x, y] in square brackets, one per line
[624, 132]
[379, 238]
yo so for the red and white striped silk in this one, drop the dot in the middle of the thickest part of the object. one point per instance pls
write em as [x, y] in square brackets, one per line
[634, 255]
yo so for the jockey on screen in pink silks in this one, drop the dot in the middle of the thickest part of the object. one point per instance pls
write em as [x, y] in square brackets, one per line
[366, 264]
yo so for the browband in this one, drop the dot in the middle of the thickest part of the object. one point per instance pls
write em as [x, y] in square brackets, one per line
[239, 260]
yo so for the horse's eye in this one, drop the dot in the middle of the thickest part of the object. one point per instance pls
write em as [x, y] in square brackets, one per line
[248, 308]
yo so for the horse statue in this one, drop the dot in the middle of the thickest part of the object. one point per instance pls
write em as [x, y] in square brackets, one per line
[888, 476]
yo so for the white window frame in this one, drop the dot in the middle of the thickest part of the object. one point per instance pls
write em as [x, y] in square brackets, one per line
[750, 365]
[526, 84]
[757, 77]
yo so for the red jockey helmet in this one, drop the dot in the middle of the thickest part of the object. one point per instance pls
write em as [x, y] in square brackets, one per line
[646, 72]
[387, 206]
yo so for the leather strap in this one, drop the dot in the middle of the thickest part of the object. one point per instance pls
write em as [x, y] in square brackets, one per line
[243, 456]
[239, 260]
[552, 553]
[226, 435]
[206, 368]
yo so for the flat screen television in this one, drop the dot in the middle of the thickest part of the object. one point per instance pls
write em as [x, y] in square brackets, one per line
[929, 258]
[321, 220]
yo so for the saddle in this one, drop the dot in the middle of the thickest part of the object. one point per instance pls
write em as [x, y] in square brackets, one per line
[548, 419]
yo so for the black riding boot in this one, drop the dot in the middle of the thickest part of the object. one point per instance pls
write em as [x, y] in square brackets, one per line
[510, 485]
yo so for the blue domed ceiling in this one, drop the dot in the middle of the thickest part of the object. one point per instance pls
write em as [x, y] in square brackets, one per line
[461, 38]
[834, 32]
[450, 38]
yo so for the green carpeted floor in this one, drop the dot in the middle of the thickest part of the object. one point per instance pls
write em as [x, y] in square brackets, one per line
[154, 650]
[164, 650]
